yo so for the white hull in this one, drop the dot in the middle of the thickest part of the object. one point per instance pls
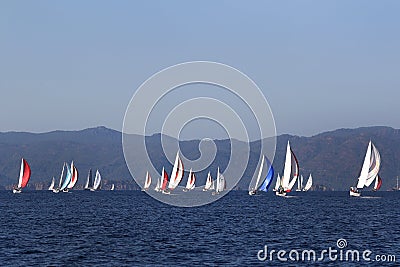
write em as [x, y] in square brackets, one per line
[354, 194]
[280, 194]
[252, 193]
[16, 191]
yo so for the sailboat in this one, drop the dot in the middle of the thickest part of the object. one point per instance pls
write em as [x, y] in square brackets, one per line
[264, 186]
[88, 180]
[190, 185]
[308, 184]
[112, 187]
[300, 184]
[220, 183]
[147, 182]
[97, 182]
[51, 187]
[369, 171]
[74, 177]
[291, 168]
[397, 188]
[176, 175]
[24, 176]
[277, 184]
[209, 183]
[67, 180]
[56, 190]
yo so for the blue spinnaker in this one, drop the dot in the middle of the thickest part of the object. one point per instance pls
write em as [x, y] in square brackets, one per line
[267, 182]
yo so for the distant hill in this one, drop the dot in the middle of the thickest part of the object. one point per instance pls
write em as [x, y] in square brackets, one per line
[334, 158]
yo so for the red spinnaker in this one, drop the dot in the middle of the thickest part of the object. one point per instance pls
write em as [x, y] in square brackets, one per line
[26, 174]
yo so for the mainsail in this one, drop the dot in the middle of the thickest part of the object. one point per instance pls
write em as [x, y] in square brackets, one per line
[88, 180]
[365, 168]
[177, 173]
[308, 184]
[291, 169]
[51, 187]
[97, 181]
[221, 184]
[278, 183]
[209, 182]
[147, 182]
[190, 185]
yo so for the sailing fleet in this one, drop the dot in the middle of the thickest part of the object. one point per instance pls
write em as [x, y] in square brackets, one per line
[369, 175]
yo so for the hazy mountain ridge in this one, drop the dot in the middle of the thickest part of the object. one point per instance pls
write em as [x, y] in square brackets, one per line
[334, 158]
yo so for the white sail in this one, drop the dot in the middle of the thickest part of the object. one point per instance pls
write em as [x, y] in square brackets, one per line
[62, 174]
[97, 181]
[278, 183]
[21, 174]
[88, 180]
[147, 182]
[177, 173]
[51, 187]
[365, 168]
[209, 182]
[288, 168]
[220, 182]
[158, 185]
[308, 184]
[259, 173]
[112, 187]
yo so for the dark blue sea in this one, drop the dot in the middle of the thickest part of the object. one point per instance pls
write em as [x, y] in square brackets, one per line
[129, 228]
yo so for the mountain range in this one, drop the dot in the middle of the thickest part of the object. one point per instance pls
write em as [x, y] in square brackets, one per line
[334, 158]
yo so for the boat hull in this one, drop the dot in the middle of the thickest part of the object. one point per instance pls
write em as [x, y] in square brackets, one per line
[279, 194]
[354, 194]
[16, 191]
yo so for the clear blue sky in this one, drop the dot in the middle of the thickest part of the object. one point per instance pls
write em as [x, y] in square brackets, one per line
[321, 64]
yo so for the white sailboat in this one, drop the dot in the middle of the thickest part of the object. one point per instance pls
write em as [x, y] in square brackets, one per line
[176, 175]
[147, 182]
[253, 190]
[112, 187]
[24, 176]
[300, 184]
[209, 183]
[291, 168]
[308, 184]
[51, 187]
[97, 182]
[190, 185]
[369, 171]
[56, 190]
[277, 184]
[88, 180]
[220, 183]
